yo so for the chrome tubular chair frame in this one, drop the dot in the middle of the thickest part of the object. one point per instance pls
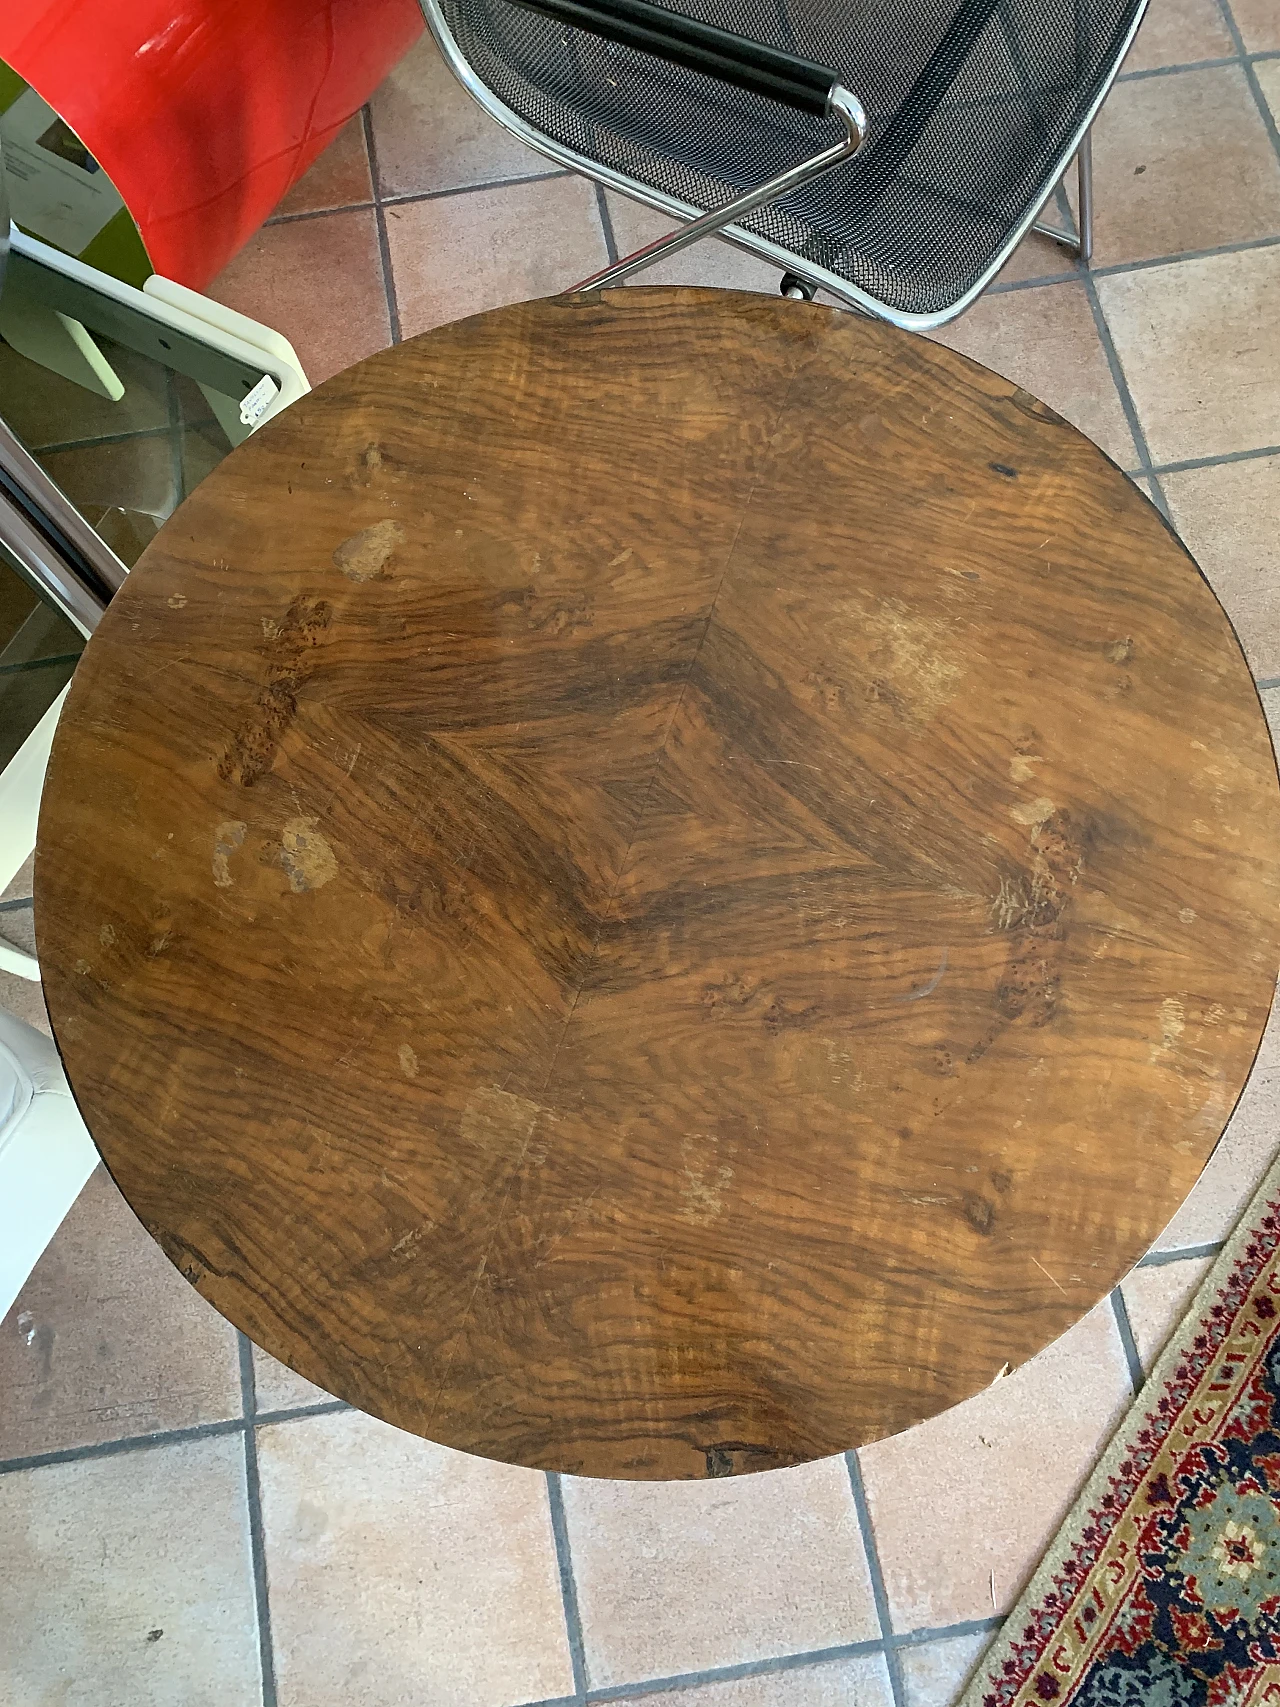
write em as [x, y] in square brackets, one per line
[723, 221]
[840, 102]
[55, 548]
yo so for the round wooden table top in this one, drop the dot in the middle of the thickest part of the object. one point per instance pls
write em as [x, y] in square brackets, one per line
[660, 883]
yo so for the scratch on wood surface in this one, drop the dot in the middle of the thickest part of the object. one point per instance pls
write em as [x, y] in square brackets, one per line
[574, 1217]
[163, 668]
[497, 1120]
[931, 986]
[465, 1317]
[1045, 1272]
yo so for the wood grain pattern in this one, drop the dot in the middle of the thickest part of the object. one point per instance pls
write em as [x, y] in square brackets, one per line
[658, 884]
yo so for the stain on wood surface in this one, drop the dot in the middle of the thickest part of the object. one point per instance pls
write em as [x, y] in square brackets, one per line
[715, 866]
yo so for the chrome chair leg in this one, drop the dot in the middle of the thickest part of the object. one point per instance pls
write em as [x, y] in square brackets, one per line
[1084, 181]
[1079, 241]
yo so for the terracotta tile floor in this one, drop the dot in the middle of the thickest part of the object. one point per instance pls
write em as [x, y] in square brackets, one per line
[183, 1520]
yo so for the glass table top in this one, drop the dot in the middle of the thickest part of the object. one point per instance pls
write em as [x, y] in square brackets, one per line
[125, 465]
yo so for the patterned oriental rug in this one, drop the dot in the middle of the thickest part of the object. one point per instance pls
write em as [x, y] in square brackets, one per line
[1162, 1588]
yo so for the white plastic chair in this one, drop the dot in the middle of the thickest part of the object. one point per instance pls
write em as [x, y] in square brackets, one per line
[21, 782]
[46, 1153]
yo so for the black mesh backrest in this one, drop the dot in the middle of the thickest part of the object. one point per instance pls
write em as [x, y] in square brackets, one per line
[972, 105]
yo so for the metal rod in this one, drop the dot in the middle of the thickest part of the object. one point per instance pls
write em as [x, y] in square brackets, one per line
[56, 549]
[95, 562]
[1068, 239]
[1084, 179]
[1080, 241]
[842, 104]
[46, 569]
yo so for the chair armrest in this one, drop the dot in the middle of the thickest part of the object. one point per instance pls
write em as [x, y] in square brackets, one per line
[750, 65]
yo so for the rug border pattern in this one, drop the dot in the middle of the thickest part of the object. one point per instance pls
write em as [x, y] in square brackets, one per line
[1005, 1667]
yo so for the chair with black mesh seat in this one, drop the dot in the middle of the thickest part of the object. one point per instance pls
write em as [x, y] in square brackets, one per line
[891, 152]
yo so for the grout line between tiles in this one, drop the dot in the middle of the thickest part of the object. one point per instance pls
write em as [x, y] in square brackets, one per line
[380, 226]
[948, 1632]
[1127, 403]
[1174, 70]
[779, 1663]
[1266, 683]
[1251, 77]
[879, 1593]
[93, 442]
[318, 213]
[1124, 1327]
[568, 1587]
[730, 1673]
[1264, 107]
[37, 663]
[1116, 269]
[410, 196]
[1217, 461]
[1242, 58]
[17, 904]
[1011, 285]
[606, 224]
[166, 1437]
[388, 276]
[299, 1413]
[371, 153]
[130, 1443]
[102, 439]
[1188, 1253]
[257, 1544]
[1242, 247]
